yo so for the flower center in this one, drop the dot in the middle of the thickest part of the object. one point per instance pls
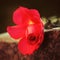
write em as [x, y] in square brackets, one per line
[31, 22]
[32, 38]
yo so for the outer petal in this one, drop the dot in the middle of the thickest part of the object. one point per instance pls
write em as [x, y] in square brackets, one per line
[35, 15]
[25, 48]
[16, 31]
[20, 15]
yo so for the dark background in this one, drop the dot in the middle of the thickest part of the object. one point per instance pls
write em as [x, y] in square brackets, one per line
[46, 8]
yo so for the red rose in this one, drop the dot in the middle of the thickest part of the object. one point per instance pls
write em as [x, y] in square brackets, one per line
[29, 28]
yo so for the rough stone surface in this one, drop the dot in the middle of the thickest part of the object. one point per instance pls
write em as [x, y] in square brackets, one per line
[49, 50]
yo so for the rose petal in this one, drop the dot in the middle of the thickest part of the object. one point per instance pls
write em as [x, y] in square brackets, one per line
[34, 28]
[35, 15]
[35, 12]
[20, 16]
[26, 48]
[16, 31]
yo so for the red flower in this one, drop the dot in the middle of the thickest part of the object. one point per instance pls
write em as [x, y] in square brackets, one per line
[29, 28]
